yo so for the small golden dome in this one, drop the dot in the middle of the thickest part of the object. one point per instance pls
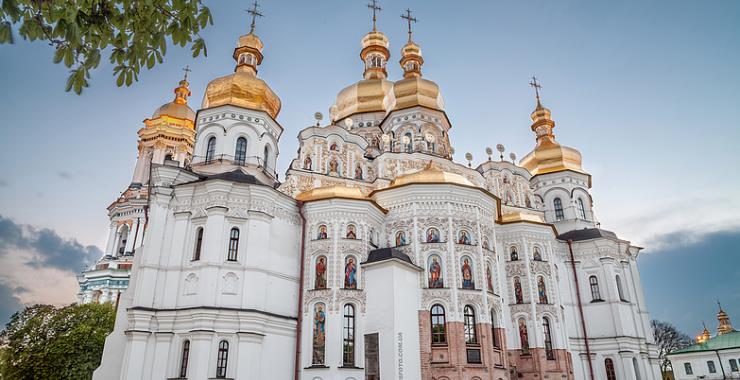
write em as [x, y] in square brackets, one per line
[375, 39]
[367, 95]
[549, 156]
[431, 174]
[329, 192]
[243, 88]
[414, 90]
[177, 108]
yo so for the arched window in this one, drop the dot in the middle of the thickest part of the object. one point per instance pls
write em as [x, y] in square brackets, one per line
[348, 337]
[620, 289]
[609, 366]
[537, 255]
[494, 336]
[439, 326]
[514, 254]
[541, 290]
[210, 149]
[581, 208]
[595, 293]
[240, 154]
[233, 244]
[559, 215]
[548, 338]
[222, 360]
[266, 157]
[168, 157]
[122, 239]
[518, 295]
[469, 323]
[198, 243]
[184, 359]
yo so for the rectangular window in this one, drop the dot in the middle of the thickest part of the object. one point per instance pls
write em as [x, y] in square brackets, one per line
[372, 359]
[710, 366]
[733, 365]
[473, 355]
[687, 368]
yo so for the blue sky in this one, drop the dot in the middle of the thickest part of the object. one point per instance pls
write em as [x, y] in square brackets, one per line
[646, 90]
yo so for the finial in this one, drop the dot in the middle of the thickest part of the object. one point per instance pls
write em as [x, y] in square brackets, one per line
[501, 150]
[537, 88]
[719, 305]
[187, 71]
[469, 157]
[318, 116]
[255, 13]
[409, 19]
[489, 152]
[375, 8]
[512, 155]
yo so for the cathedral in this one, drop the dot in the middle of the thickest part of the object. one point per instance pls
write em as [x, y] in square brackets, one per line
[375, 257]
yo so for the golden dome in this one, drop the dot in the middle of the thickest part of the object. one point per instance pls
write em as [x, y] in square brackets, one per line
[414, 90]
[329, 192]
[243, 88]
[177, 108]
[431, 174]
[369, 94]
[549, 156]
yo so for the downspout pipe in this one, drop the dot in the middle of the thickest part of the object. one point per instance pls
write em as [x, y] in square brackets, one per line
[300, 293]
[580, 309]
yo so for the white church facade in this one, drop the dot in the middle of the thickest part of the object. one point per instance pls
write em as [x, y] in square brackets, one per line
[377, 257]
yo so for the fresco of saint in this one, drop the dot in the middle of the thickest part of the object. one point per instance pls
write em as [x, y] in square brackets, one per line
[351, 234]
[435, 273]
[541, 290]
[350, 274]
[320, 281]
[358, 172]
[322, 233]
[518, 290]
[467, 274]
[523, 336]
[400, 238]
[319, 334]
[464, 238]
[307, 163]
[489, 277]
[432, 235]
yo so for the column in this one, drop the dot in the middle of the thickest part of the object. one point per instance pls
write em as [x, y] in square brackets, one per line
[133, 368]
[111, 244]
[249, 356]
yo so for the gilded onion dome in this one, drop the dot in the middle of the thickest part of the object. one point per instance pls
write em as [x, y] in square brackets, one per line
[243, 88]
[177, 108]
[549, 156]
[431, 174]
[413, 90]
[369, 94]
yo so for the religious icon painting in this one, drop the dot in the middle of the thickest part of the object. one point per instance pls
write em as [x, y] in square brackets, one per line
[319, 334]
[351, 231]
[435, 272]
[322, 233]
[464, 238]
[432, 235]
[320, 273]
[489, 277]
[350, 273]
[466, 270]
[400, 238]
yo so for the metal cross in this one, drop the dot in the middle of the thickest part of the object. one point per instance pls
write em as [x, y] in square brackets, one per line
[409, 19]
[376, 8]
[537, 88]
[255, 13]
[187, 71]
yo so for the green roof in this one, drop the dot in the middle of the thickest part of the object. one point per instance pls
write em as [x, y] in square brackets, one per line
[719, 342]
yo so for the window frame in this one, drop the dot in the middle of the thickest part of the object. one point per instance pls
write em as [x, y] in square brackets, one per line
[557, 204]
[210, 149]
[620, 289]
[611, 372]
[198, 243]
[687, 369]
[470, 330]
[581, 208]
[547, 332]
[711, 367]
[494, 339]
[593, 283]
[184, 358]
[233, 252]
[438, 319]
[222, 359]
[240, 151]
[348, 335]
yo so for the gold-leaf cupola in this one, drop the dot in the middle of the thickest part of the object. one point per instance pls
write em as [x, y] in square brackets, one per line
[724, 322]
[369, 94]
[178, 108]
[243, 88]
[413, 90]
[548, 156]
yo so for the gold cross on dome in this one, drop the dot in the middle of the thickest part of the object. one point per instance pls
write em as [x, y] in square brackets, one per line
[537, 88]
[376, 8]
[255, 13]
[409, 19]
[187, 71]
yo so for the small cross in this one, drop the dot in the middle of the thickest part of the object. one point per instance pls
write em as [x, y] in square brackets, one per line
[187, 71]
[255, 13]
[409, 19]
[537, 88]
[376, 8]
